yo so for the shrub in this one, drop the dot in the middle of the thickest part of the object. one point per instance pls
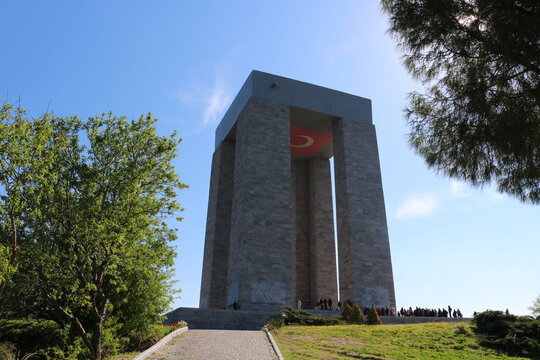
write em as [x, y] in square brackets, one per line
[373, 317]
[346, 313]
[460, 330]
[356, 316]
[305, 318]
[319, 320]
[275, 322]
[154, 333]
[515, 335]
[45, 338]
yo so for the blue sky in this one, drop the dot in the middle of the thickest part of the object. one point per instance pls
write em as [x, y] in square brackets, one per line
[185, 61]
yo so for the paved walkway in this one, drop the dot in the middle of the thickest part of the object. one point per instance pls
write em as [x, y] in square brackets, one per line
[217, 345]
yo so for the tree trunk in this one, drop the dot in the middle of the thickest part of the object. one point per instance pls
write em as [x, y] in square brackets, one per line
[98, 329]
[78, 327]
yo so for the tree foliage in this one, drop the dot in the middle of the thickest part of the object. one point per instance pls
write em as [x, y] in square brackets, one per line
[356, 316]
[514, 335]
[25, 161]
[92, 238]
[306, 319]
[346, 312]
[535, 308]
[44, 339]
[373, 318]
[479, 118]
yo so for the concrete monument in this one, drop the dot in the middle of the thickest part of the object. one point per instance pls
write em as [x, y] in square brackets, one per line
[270, 229]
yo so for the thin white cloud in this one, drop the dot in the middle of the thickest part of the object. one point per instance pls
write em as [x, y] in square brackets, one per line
[459, 189]
[212, 100]
[417, 206]
[215, 104]
[457, 197]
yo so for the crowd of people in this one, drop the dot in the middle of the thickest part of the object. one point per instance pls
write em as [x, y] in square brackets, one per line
[455, 313]
[322, 304]
[326, 304]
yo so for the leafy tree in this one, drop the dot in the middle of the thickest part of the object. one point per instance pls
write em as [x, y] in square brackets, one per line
[96, 242]
[373, 318]
[24, 162]
[479, 118]
[535, 308]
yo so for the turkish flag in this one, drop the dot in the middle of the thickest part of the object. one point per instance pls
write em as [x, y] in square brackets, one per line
[308, 142]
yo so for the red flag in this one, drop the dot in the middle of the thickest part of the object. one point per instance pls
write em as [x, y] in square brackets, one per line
[308, 142]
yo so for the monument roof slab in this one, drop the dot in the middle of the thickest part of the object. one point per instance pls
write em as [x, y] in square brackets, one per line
[296, 94]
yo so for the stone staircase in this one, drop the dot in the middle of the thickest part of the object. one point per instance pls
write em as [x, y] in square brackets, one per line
[219, 319]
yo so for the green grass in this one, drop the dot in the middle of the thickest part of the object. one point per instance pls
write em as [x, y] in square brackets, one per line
[433, 341]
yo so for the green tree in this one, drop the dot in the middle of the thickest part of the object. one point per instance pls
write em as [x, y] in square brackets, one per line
[373, 318]
[25, 160]
[479, 118]
[535, 308]
[96, 243]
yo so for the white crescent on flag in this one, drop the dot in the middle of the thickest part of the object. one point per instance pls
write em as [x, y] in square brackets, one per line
[308, 143]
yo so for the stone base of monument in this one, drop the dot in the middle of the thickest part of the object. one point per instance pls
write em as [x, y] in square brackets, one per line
[219, 319]
[254, 320]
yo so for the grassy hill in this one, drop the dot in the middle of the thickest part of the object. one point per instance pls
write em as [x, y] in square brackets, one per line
[433, 341]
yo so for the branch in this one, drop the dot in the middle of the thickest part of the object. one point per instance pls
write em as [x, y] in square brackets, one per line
[69, 317]
[76, 324]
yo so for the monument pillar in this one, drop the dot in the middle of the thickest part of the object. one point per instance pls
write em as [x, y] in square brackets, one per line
[313, 231]
[260, 253]
[218, 228]
[365, 267]
[301, 231]
[321, 227]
